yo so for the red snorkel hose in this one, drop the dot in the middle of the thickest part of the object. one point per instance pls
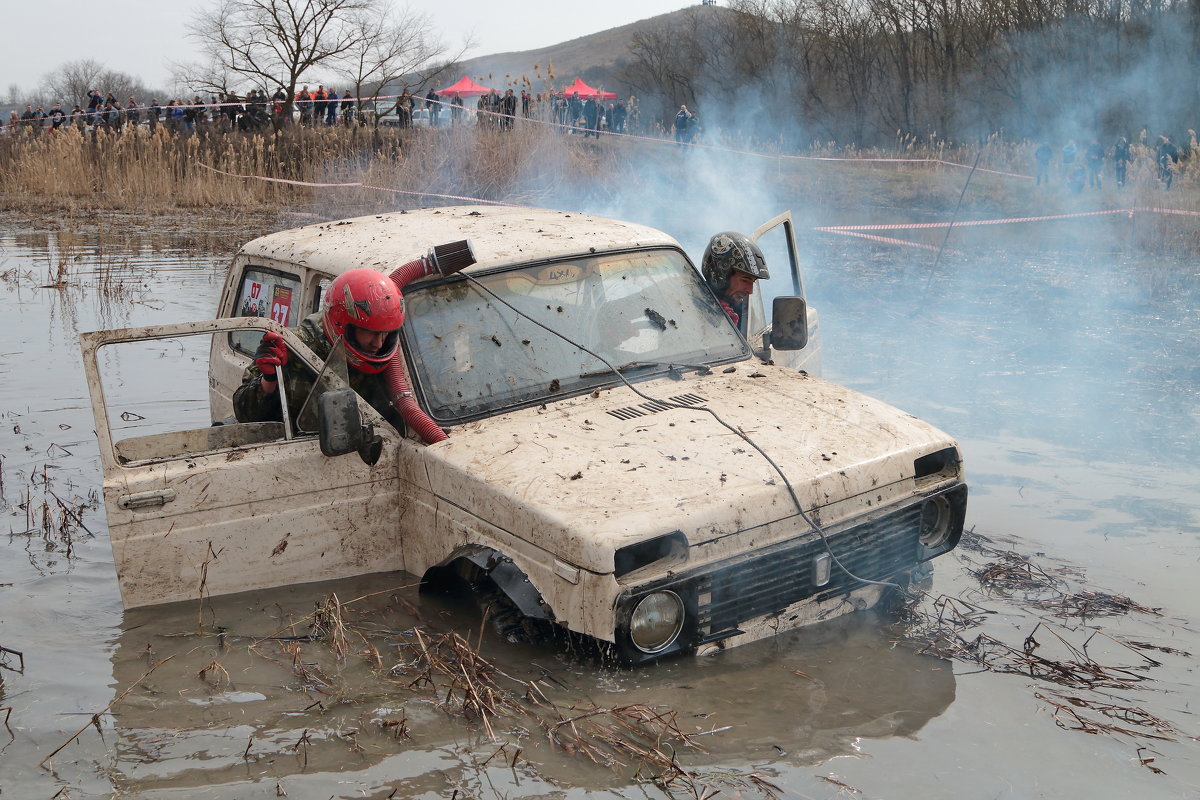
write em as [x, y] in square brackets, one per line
[445, 259]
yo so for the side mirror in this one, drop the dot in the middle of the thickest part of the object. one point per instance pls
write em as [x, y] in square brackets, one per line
[789, 323]
[341, 428]
[339, 422]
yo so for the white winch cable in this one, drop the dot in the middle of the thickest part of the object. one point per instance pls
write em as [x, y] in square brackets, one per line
[731, 428]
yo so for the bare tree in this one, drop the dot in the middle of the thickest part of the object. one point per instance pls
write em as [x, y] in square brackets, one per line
[390, 48]
[70, 82]
[274, 42]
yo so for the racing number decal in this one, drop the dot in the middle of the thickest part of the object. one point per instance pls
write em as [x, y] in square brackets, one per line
[281, 305]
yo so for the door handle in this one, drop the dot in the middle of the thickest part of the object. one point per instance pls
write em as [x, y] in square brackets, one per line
[146, 499]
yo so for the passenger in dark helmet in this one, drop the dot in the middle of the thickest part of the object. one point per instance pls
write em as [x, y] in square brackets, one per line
[731, 265]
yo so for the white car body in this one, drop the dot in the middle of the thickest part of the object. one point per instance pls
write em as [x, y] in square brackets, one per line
[580, 502]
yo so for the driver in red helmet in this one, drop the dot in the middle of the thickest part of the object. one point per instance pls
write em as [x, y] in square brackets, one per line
[361, 305]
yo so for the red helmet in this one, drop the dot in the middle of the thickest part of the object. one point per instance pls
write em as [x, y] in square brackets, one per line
[367, 299]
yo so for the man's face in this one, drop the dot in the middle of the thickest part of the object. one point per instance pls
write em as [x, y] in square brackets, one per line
[740, 287]
[368, 341]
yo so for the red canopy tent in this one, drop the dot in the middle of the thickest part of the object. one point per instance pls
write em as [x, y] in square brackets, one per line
[581, 89]
[464, 88]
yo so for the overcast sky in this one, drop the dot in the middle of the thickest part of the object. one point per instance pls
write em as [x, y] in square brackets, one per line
[141, 37]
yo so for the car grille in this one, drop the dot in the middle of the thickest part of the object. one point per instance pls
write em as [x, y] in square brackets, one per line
[769, 580]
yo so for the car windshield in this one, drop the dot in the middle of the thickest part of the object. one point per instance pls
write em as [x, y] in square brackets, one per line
[472, 354]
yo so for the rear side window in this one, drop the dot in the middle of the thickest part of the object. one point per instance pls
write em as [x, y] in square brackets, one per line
[265, 293]
[322, 285]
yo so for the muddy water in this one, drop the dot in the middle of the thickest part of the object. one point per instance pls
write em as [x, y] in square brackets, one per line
[1072, 380]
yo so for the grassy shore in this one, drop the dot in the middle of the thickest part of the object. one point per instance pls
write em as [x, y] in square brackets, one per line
[143, 172]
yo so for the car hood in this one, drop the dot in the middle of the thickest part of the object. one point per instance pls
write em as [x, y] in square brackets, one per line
[584, 476]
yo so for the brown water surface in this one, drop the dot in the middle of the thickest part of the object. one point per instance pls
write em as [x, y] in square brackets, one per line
[1072, 381]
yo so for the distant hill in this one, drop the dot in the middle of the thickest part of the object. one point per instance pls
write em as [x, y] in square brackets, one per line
[597, 58]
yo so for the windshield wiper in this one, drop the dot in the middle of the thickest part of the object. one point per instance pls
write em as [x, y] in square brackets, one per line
[674, 369]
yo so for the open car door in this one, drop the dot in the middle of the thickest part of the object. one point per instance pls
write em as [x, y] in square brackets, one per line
[777, 239]
[196, 508]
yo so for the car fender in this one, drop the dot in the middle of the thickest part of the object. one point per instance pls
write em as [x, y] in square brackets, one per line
[508, 577]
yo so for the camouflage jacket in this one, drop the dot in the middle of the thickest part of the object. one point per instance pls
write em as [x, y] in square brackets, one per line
[251, 405]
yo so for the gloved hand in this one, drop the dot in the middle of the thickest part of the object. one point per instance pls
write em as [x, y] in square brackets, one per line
[271, 355]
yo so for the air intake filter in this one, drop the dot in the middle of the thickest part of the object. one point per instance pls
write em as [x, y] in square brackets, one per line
[452, 257]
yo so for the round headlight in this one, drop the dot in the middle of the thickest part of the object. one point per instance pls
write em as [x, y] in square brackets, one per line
[656, 621]
[935, 522]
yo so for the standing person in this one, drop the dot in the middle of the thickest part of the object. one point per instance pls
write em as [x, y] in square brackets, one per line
[1167, 156]
[133, 113]
[304, 100]
[404, 109]
[320, 103]
[28, 119]
[177, 117]
[278, 104]
[331, 107]
[1042, 156]
[95, 102]
[508, 108]
[347, 108]
[1121, 159]
[78, 117]
[152, 113]
[457, 110]
[683, 124]
[619, 116]
[731, 265]
[524, 103]
[591, 117]
[56, 116]
[1095, 161]
[232, 108]
[433, 107]
[1068, 158]
[190, 113]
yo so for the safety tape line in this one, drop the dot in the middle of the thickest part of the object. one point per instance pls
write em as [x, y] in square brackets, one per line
[887, 240]
[899, 226]
[843, 230]
[357, 185]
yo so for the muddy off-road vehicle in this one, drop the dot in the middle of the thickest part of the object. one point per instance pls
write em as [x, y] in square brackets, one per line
[611, 455]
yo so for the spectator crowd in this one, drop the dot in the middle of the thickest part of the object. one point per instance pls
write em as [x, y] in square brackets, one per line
[221, 111]
[1087, 168]
[320, 107]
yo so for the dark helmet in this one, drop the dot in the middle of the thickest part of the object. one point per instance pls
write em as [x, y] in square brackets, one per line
[729, 251]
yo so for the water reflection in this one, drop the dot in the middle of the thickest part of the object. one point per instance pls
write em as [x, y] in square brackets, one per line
[796, 700]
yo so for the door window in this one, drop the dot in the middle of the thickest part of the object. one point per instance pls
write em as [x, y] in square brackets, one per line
[265, 293]
[155, 399]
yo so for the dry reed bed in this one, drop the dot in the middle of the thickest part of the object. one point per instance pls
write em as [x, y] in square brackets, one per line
[534, 164]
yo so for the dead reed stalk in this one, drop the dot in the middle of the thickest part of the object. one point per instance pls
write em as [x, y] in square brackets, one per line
[94, 720]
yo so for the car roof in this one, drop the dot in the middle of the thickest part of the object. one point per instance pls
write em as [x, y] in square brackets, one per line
[500, 236]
